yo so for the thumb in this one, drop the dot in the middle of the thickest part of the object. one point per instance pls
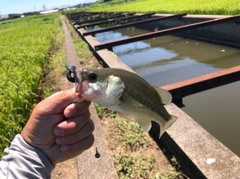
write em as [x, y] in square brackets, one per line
[59, 101]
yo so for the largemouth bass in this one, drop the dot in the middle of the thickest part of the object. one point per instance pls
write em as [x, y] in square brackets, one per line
[126, 93]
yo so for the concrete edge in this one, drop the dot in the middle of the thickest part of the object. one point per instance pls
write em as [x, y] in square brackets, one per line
[209, 155]
[88, 165]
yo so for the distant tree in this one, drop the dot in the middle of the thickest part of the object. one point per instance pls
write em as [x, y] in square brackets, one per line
[12, 16]
[31, 13]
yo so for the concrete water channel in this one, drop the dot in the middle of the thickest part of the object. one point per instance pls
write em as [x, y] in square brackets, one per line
[169, 61]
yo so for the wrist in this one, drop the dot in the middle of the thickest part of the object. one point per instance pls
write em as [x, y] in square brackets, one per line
[28, 151]
[39, 147]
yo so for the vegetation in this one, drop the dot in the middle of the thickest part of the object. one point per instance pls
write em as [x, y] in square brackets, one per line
[101, 3]
[26, 45]
[55, 69]
[175, 6]
[12, 16]
[134, 153]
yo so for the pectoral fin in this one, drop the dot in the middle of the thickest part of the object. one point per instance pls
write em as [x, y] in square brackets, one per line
[126, 116]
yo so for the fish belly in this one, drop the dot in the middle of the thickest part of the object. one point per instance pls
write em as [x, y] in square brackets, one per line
[140, 114]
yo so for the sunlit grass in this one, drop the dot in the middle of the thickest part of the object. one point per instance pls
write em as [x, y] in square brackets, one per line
[176, 6]
[25, 47]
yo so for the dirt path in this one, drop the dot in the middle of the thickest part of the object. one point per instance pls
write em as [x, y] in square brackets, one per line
[67, 169]
[85, 165]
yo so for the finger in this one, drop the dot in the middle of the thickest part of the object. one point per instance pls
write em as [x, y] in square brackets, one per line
[76, 109]
[78, 136]
[72, 125]
[80, 146]
[57, 102]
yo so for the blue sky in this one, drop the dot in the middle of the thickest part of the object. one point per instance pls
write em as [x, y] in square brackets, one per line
[20, 6]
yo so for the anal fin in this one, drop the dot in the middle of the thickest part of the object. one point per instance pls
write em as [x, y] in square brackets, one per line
[145, 125]
[167, 125]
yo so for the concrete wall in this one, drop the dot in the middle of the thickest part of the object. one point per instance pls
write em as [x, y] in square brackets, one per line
[226, 33]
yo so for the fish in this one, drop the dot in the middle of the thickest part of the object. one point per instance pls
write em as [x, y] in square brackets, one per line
[128, 94]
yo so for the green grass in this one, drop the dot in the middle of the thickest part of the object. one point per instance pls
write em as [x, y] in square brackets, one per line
[132, 149]
[218, 7]
[128, 166]
[129, 134]
[26, 45]
[55, 69]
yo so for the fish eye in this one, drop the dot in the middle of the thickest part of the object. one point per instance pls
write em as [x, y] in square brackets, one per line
[92, 76]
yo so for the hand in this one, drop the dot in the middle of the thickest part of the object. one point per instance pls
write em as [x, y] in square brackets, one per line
[60, 128]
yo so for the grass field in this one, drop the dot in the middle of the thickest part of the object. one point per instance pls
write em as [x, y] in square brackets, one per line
[220, 7]
[25, 47]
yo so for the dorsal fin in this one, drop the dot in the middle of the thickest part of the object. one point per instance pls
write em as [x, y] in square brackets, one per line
[166, 97]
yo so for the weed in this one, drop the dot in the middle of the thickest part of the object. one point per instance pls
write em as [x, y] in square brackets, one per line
[129, 134]
[128, 166]
[104, 112]
[128, 143]
[169, 173]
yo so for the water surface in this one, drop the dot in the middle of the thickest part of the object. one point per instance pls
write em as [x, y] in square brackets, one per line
[218, 111]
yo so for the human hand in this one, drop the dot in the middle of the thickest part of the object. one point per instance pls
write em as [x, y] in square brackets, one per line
[60, 128]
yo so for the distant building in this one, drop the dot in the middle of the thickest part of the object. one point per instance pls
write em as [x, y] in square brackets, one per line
[49, 11]
[75, 6]
[63, 7]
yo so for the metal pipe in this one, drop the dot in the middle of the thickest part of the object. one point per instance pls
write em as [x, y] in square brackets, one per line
[133, 24]
[202, 83]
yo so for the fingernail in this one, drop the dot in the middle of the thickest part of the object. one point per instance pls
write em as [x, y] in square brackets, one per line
[65, 148]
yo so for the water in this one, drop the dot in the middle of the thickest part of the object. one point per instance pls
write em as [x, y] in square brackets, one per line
[169, 59]
[218, 111]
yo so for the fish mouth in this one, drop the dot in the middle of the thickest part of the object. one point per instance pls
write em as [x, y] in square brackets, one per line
[77, 77]
[80, 80]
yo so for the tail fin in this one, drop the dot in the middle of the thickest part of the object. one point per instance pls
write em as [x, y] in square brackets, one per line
[167, 125]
